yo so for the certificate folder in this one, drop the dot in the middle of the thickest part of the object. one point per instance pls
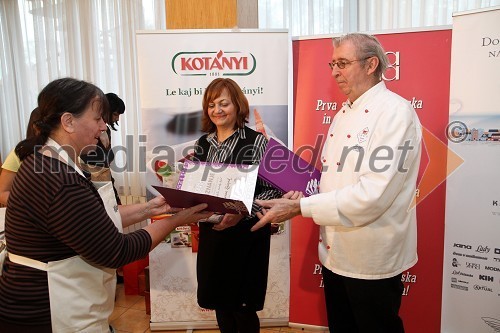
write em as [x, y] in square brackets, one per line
[226, 188]
[287, 171]
[184, 199]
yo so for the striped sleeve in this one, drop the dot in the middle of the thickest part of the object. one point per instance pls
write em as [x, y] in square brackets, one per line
[82, 224]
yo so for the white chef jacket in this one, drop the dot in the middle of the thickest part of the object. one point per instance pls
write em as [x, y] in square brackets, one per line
[364, 209]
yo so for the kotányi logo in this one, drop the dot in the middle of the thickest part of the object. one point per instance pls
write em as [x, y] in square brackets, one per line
[221, 63]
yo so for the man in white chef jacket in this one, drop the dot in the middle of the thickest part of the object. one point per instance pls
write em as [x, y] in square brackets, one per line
[368, 230]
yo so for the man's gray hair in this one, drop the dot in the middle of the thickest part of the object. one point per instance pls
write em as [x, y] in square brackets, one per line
[366, 46]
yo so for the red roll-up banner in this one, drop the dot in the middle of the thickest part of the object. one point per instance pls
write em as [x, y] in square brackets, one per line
[420, 72]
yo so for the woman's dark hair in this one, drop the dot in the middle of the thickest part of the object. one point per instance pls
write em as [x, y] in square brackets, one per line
[214, 90]
[58, 97]
[115, 105]
[31, 130]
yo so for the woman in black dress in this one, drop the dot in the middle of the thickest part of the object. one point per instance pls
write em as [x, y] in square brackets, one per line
[233, 262]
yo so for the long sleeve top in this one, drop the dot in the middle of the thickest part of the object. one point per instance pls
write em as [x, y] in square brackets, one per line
[371, 159]
[53, 214]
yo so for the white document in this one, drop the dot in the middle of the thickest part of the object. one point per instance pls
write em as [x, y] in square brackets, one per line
[230, 181]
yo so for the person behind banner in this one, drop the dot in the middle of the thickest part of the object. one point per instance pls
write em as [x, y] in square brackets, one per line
[102, 156]
[62, 232]
[232, 264]
[12, 162]
[368, 230]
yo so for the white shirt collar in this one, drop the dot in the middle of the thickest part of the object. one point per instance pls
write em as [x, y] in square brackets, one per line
[367, 95]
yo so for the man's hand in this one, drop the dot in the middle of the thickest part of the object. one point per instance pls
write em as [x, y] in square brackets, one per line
[293, 195]
[280, 210]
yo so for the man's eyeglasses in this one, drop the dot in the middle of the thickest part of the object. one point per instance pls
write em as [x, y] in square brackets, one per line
[344, 62]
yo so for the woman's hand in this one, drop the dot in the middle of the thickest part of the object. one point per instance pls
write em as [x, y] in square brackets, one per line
[161, 228]
[158, 206]
[190, 215]
[229, 220]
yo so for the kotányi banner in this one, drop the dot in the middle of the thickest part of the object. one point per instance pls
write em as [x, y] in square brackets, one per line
[174, 69]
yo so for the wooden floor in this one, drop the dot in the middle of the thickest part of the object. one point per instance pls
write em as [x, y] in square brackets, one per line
[130, 316]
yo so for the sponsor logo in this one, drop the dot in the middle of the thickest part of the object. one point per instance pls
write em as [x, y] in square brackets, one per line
[492, 322]
[483, 288]
[455, 280]
[455, 262]
[462, 274]
[221, 63]
[459, 287]
[475, 257]
[486, 278]
[483, 249]
[462, 246]
[363, 135]
[472, 265]
[491, 268]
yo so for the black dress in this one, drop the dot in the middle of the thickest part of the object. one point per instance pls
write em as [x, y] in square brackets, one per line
[232, 264]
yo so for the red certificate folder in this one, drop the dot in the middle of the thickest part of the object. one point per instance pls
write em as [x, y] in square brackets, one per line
[287, 171]
[184, 199]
